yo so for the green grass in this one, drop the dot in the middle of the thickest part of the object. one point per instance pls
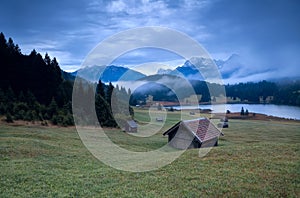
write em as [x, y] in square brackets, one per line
[254, 159]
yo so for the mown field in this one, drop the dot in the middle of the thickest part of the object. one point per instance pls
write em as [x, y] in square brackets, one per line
[254, 159]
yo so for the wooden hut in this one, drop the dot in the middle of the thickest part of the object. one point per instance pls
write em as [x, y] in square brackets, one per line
[198, 133]
[159, 119]
[131, 126]
[223, 123]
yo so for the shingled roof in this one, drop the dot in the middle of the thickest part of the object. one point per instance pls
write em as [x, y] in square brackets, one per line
[201, 128]
[132, 123]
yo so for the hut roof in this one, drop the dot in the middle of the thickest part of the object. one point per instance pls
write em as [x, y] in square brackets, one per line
[201, 128]
[132, 123]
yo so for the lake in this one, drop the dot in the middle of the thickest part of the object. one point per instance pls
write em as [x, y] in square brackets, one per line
[282, 111]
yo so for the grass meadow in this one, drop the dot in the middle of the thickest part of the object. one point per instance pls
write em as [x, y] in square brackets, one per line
[254, 159]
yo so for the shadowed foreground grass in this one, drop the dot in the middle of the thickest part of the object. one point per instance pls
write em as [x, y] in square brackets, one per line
[254, 158]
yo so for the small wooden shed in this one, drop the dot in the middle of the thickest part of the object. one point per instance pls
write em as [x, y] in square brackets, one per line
[131, 126]
[159, 119]
[197, 133]
[223, 123]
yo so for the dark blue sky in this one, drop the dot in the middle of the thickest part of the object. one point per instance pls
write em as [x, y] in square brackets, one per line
[265, 33]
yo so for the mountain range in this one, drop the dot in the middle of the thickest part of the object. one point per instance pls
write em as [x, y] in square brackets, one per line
[233, 70]
[227, 68]
[110, 73]
[188, 70]
[186, 80]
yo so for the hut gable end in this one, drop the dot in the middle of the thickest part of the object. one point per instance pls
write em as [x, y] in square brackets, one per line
[131, 126]
[193, 134]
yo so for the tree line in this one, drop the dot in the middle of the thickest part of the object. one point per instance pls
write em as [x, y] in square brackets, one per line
[282, 93]
[111, 103]
[34, 88]
[251, 92]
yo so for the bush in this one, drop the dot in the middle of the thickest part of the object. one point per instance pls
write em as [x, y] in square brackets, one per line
[54, 120]
[18, 106]
[44, 123]
[46, 116]
[30, 115]
[9, 118]
[67, 120]
[20, 115]
[2, 108]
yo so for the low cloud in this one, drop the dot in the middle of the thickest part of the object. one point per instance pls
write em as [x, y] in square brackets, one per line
[265, 34]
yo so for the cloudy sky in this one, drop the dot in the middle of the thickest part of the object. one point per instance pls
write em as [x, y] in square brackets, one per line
[265, 33]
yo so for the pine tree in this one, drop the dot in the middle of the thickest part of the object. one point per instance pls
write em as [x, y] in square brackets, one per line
[17, 50]
[3, 45]
[2, 108]
[100, 89]
[21, 97]
[30, 99]
[57, 76]
[11, 46]
[103, 112]
[129, 92]
[33, 53]
[52, 109]
[242, 111]
[2, 96]
[131, 112]
[247, 112]
[109, 93]
[10, 95]
[47, 59]
[90, 99]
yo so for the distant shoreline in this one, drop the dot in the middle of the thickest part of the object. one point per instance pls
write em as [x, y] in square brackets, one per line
[258, 116]
[282, 111]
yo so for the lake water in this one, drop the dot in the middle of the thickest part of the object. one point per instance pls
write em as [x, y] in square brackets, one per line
[283, 111]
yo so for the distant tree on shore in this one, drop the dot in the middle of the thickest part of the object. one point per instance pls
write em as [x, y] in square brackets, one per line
[246, 112]
[9, 118]
[242, 111]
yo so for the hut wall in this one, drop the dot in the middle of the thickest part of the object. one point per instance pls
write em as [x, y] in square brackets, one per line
[210, 143]
[183, 139]
[130, 129]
